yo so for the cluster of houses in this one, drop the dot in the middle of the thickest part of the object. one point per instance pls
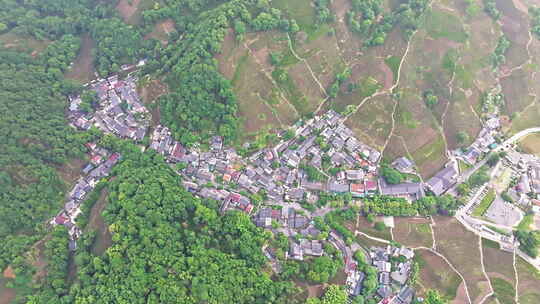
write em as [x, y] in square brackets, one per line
[393, 273]
[100, 165]
[484, 142]
[119, 110]
[393, 266]
[526, 168]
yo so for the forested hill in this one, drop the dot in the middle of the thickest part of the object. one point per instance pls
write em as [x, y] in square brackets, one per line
[170, 247]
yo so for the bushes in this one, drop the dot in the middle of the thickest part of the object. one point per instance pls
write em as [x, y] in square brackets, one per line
[391, 175]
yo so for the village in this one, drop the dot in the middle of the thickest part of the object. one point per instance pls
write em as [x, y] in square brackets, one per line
[274, 185]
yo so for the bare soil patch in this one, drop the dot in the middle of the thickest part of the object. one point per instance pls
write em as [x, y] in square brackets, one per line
[162, 30]
[6, 294]
[127, 8]
[82, 69]
[96, 222]
[515, 27]
[71, 171]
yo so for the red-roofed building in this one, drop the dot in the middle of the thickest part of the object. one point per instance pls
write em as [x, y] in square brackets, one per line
[226, 178]
[61, 219]
[178, 152]
[96, 159]
[371, 187]
[358, 190]
[235, 197]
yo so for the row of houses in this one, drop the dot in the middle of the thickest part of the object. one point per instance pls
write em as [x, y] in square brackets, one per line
[484, 142]
[100, 165]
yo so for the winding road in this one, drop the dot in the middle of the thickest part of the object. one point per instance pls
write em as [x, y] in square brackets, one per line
[505, 145]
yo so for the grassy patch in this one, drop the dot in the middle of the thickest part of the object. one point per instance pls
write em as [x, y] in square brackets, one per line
[463, 166]
[484, 204]
[406, 118]
[530, 298]
[435, 274]
[22, 43]
[504, 291]
[240, 68]
[441, 24]
[393, 63]
[531, 144]
[429, 152]
[285, 81]
[412, 232]
[301, 11]
[526, 222]
[490, 244]
[368, 87]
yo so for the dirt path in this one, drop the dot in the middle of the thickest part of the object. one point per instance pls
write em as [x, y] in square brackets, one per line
[269, 76]
[323, 90]
[492, 292]
[451, 266]
[371, 237]
[393, 127]
[516, 276]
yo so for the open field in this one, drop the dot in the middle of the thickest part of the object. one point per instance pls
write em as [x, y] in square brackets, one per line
[529, 280]
[82, 69]
[500, 271]
[460, 247]
[13, 41]
[368, 228]
[413, 232]
[372, 123]
[516, 89]
[531, 144]
[435, 273]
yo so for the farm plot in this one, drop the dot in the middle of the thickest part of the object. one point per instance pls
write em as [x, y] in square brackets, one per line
[261, 103]
[369, 229]
[500, 271]
[459, 246]
[517, 91]
[413, 232]
[436, 274]
[460, 117]
[527, 119]
[372, 123]
[529, 280]
[515, 26]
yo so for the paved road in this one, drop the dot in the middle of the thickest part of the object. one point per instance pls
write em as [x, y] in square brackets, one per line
[465, 176]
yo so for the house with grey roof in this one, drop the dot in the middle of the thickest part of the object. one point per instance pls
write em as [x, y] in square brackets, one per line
[336, 187]
[443, 180]
[409, 191]
[403, 165]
